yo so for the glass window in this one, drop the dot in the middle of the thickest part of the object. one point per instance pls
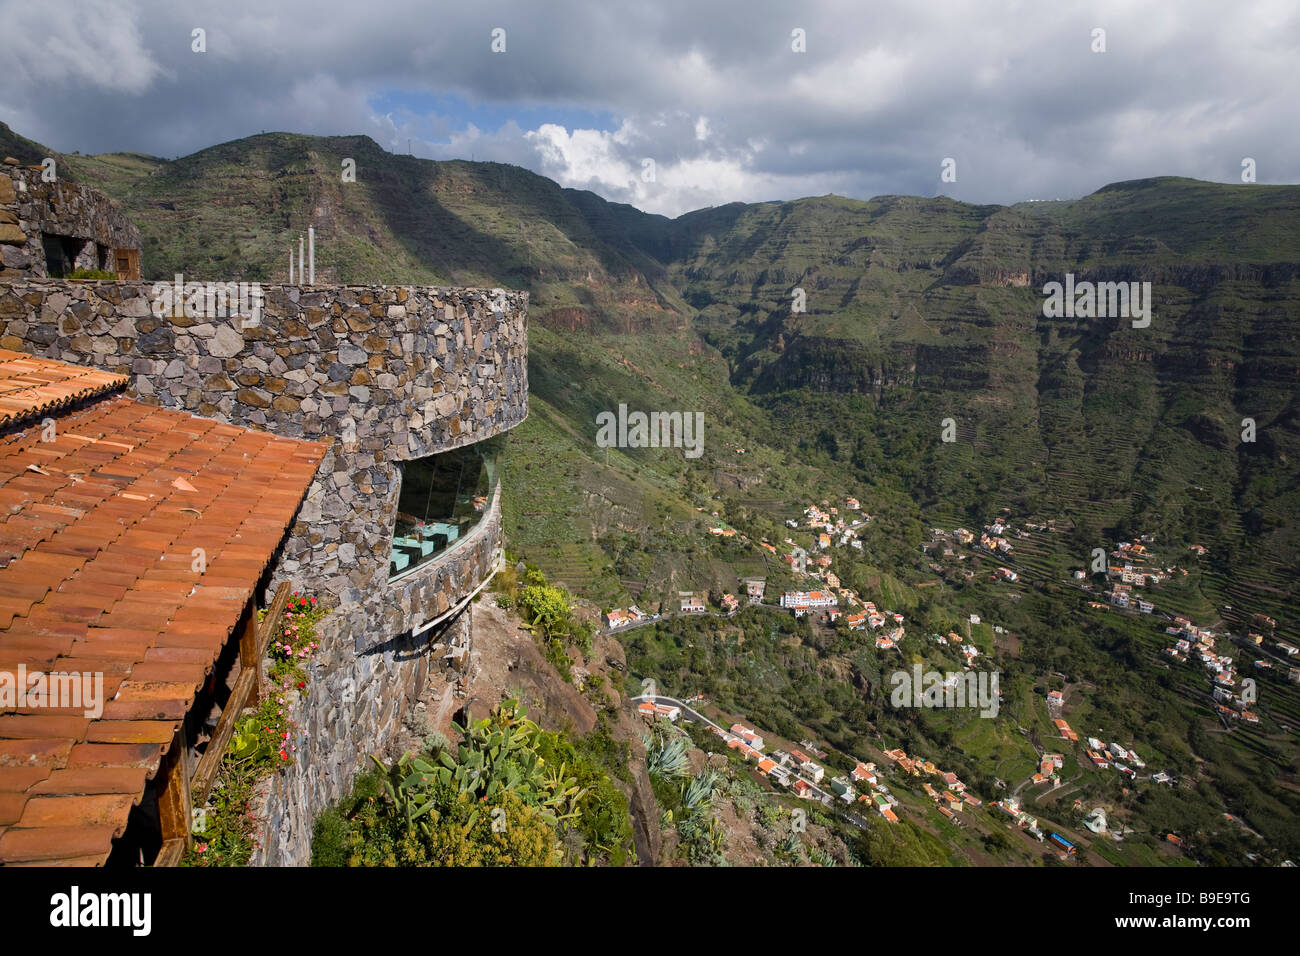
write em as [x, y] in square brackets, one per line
[442, 497]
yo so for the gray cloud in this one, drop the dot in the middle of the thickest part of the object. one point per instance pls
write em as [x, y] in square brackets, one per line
[711, 92]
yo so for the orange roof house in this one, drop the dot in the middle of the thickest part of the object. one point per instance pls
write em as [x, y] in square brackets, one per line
[133, 543]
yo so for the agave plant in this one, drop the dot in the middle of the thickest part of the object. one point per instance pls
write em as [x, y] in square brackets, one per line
[564, 794]
[698, 794]
[666, 757]
[495, 757]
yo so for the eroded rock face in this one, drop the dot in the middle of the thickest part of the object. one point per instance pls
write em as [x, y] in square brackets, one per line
[507, 662]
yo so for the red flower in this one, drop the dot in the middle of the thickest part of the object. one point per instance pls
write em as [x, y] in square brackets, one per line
[302, 684]
[283, 755]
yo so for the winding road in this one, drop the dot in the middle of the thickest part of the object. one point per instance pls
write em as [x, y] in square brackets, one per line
[695, 716]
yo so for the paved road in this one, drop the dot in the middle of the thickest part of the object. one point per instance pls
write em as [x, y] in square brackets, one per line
[694, 715]
[656, 618]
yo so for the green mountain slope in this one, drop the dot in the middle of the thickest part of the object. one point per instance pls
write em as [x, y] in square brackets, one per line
[917, 311]
[929, 309]
[934, 310]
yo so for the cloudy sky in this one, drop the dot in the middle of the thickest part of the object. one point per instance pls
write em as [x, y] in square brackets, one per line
[725, 97]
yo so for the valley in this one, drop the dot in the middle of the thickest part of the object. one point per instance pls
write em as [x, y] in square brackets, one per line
[921, 378]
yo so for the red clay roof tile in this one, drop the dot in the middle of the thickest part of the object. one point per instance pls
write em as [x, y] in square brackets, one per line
[55, 843]
[47, 752]
[108, 810]
[131, 732]
[20, 779]
[97, 536]
[148, 709]
[115, 755]
[28, 727]
[11, 807]
[90, 780]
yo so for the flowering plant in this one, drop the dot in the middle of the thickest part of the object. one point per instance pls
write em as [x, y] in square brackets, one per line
[262, 743]
[296, 642]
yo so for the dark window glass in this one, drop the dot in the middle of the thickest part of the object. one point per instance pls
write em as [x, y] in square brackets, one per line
[441, 499]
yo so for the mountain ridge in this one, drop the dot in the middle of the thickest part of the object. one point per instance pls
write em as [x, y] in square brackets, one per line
[929, 307]
[922, 318]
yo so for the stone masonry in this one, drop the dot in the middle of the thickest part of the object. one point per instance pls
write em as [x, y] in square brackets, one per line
[30, 207]
[383, 374]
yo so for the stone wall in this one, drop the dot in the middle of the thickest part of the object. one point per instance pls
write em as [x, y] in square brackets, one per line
[362, 686]
[383, 374]
[30, 207]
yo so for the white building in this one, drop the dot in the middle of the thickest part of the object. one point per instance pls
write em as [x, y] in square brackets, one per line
[809, 599]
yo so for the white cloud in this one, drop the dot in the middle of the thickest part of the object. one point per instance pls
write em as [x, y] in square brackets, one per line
[91, 43]
[720, 102]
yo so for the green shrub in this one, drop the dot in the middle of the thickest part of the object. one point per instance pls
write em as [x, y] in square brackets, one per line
[507, 795]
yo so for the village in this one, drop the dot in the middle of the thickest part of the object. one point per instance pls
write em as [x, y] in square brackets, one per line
[1131, 572]
[830, 530]
[791, 770]
[795, 772]
[1130, 564]
[1101, 755]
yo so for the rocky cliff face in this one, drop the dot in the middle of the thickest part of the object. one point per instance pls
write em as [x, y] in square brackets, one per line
[507, 663]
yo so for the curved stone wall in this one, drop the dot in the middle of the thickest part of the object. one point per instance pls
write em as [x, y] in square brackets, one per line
[384, 375]
[363, 685]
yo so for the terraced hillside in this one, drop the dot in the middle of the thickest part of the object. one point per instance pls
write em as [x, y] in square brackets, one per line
[917, 311]
[923, 317]
[934, 309]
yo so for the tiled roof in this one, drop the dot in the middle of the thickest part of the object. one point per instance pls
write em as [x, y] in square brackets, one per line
[31, 385]
[97, 536]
